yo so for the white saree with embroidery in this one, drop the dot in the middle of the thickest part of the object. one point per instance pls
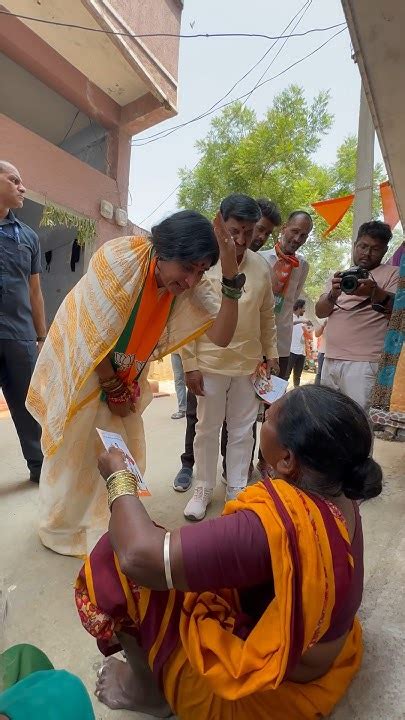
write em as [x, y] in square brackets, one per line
[65, 397]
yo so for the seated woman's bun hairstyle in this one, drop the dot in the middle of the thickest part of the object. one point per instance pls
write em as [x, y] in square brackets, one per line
[331, 437]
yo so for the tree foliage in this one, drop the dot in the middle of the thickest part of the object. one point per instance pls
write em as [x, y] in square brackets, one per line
[274, 157]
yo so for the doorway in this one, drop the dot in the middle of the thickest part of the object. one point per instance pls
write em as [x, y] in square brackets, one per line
[59, 273]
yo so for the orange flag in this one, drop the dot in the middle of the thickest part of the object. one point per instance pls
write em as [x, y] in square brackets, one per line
[333, 210]
[391, 215]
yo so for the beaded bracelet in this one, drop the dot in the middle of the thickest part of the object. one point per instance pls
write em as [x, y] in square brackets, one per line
[231, 293]
[121, 399]
[118, 386]
[110, 383]
[113, 388]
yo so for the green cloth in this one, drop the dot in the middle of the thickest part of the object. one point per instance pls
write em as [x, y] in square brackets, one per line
[19, 661]
[40, 693]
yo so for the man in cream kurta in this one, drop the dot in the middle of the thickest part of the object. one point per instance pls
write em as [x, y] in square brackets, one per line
[227, 386]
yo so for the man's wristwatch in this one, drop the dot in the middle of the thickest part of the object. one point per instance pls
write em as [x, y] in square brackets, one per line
[381, 307]
[236, 283]
[41, 339]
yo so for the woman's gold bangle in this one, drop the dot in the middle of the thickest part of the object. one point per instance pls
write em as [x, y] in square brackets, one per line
[121, 475]
[121, 483]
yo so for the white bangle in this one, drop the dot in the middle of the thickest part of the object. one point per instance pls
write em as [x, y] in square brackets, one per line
[166, 560]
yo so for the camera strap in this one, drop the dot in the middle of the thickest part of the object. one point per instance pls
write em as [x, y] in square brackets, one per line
[359, 306]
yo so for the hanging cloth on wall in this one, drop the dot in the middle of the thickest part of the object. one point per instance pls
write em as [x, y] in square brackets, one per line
[75, 256]
[48, 260]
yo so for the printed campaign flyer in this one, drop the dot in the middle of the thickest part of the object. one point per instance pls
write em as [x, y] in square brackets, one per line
[111, 439]
[268, 389]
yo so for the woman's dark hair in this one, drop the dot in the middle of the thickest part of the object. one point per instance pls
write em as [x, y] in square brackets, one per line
[185, 236]
[298, 305]
[331, 438]
[269, 210]
[240, 207]
[377, 230]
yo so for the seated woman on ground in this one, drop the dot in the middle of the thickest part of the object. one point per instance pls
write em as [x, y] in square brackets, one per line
[252, 614]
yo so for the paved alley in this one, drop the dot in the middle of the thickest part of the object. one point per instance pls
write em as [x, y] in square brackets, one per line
[42, 611]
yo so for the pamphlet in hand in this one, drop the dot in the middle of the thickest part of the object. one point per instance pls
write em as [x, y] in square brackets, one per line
[268, 389]
[111, 439]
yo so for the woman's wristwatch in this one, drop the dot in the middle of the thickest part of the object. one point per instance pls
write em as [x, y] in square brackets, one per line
[232, 287]
[236, 283]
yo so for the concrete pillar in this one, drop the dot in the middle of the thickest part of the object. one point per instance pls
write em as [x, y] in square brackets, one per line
[118, 162]
[365, 167]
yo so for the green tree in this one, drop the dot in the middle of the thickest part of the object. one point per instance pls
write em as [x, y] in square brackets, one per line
[270, 157]
[274, 157]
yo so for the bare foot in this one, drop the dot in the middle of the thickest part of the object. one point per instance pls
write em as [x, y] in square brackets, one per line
[119, 689]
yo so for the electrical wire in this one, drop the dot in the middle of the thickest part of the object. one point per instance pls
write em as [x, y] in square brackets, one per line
[240, 97]
[272, 46]
[70, 128]
[308, 5]
[135, 36]
[163, 201]
[162, 132]
[297, 62]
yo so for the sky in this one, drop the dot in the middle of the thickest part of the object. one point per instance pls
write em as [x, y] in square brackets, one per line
[208, 67]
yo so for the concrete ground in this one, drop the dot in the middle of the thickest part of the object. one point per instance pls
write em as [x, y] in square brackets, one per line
[41, 604]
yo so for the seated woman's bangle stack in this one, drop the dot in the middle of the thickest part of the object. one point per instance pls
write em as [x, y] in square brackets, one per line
[231, 293]
[115, 390]
[121, 483]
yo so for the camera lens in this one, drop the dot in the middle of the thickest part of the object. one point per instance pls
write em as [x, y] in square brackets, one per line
[349, 284]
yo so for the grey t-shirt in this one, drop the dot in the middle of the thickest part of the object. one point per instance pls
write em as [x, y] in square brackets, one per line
[20, 257]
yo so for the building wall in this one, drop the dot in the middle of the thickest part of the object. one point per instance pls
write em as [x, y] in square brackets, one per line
[68, 136]
[42, 110]
[82, 117]
[30, 102]
[58, 279]
[71, 112]
[57, 177]
[149, 16]
[89, 145]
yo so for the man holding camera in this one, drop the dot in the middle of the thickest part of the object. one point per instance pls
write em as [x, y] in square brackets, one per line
[358, 303]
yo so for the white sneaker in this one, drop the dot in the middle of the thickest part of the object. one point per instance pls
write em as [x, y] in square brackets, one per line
[232, 493]
[197, 506]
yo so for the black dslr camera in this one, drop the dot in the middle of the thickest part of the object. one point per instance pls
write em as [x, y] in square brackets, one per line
[350, 279]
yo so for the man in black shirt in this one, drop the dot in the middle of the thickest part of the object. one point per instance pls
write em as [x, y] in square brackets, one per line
[22, 316]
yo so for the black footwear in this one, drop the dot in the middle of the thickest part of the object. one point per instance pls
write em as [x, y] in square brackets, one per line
[183, 480]
[35, 476]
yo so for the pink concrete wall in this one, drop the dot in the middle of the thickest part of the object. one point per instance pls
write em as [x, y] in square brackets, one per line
[26, 48]
[150, 16]
[62, 179]
[49, 171]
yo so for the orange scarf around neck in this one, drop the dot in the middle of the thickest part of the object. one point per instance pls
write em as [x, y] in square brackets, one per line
[282, 270]
[144, 328]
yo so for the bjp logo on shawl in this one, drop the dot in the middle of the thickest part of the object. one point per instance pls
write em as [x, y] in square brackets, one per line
[123, 361]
